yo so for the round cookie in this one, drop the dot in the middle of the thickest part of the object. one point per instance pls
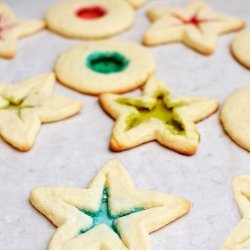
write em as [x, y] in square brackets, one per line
[235, 117]
[90, 19]
[241, 47]
[105, 66]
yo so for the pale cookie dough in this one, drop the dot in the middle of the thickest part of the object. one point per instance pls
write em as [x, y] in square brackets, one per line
[25, 106]
[241, 47]
[239, 238]
[90, 19]
[235, 117]
[105, 66]
[157, 115]
[111, 213]
[137, 3]
[197, 26]
[13, 28]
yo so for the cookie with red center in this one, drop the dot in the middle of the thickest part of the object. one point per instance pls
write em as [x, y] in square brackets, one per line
[13, 28]
[105, 66]
[90, 19]
[196, 25]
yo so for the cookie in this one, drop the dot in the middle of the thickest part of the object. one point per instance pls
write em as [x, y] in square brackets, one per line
[111, 213]
[235, 117]
[25, 106]
[13, 28]
[105, 66]
[239, 238]
[197, 26]
[137, 3]
[157, 115]
[241, 47]
[90, 19]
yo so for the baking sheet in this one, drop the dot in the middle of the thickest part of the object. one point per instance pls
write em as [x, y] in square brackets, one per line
[69, 153]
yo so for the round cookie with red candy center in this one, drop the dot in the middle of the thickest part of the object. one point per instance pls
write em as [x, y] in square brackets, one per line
[241, 47]
[90, 19]
[105, 66]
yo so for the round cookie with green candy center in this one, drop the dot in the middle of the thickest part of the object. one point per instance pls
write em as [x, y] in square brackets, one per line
[241, 47]
[105, 66]
[90, 19]
[235, 117]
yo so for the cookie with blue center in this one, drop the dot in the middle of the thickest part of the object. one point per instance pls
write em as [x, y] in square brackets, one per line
[111, 213]
[157, 115]
[105, 66]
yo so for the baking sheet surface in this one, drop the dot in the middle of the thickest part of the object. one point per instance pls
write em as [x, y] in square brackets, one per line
[69, 153]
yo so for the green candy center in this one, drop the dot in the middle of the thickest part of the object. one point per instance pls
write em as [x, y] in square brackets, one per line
[159, 110]
[104, 216]
[107, 62]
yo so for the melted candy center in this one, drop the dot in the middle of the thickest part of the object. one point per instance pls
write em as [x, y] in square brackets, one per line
[193, 20]
[92, 12]
[107, 62]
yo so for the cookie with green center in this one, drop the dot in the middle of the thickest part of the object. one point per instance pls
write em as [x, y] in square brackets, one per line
[197, 26]
[13, 28]
[235, 117]
[241, 47]
[157, 115]
[109, 214]
[90, 19]
[239, 237]
[105, 66]
[25, 106]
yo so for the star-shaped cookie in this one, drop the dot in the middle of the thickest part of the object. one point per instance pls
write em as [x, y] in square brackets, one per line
[24, 106]
[239, 238]
[197, 26]
[13, 28]
[157, 115]
[109, 214]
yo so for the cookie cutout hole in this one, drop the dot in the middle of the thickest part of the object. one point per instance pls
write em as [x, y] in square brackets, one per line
[107, 62]
[92, 12]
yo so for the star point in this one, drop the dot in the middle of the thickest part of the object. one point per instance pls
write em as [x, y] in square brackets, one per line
[25, 106]
[78, 230]
[157, 115]
[197, 26]
[13, 28]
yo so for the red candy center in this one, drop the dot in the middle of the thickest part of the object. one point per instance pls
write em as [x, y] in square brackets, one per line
[194, 20]
[92, 12]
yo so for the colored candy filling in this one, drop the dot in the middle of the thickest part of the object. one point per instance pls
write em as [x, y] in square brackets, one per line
[107, 62]
[159, 110]
[92, 12]
[104, 216]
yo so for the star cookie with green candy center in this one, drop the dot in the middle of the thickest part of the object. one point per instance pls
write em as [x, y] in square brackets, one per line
[25, 106]
[196, 25]
[157, 115]
[109, 214]
[13, 28]
[239, 238]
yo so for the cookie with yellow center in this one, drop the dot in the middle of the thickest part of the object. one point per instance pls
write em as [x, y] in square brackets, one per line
[25, 106]
[111, 213]
[13, 28]
[241, 47]
[90, 19]
[239, 237]
[157, 115]
[196, 25]
[105, 66]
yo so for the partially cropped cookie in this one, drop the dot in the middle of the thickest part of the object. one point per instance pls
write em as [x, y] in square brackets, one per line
[13, 28]
[196, 25]
[25, 106]
[241, 47]
[137, 3]
[157, 115]
[105, 66]
[239, 237]
[235, 117]
[110, 214]
[90, 19]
